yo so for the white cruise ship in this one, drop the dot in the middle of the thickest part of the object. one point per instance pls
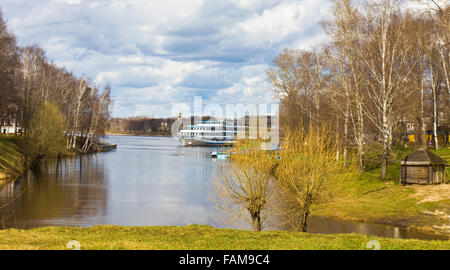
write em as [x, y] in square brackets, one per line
[210, 133]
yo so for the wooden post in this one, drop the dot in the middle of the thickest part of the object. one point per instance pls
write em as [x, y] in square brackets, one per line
[430, 175]
[405, 173]
[445, 172]
[402, 173]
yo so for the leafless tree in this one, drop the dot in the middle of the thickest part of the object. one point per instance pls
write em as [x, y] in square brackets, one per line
[345, 29]
[244, 185]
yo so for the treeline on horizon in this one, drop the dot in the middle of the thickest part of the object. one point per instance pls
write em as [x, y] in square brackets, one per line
[144, 124]
[383, 66]
[140, 124]
[30, 83]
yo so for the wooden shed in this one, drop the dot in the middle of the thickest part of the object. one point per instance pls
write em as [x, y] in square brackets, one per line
[422, 167]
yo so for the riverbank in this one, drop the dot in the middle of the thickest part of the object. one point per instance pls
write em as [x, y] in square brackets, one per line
[367, 199]
[11, 158]
[140, 133]
[194, 237]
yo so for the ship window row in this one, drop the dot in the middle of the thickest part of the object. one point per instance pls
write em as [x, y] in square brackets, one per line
[205, 134]
[214, 128]
[210, 137]
[209, 132]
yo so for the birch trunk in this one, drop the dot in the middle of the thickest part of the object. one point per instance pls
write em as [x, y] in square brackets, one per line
[361, 138]
[422, 116]
[346, 121]
[80, 93]
[435, 114]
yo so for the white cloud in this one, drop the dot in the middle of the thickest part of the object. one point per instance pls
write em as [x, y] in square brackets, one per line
[156, 53]
[284, 22]
[254, 5]
[70, 2]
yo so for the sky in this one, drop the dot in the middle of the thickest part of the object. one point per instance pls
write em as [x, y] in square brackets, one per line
[158, 53]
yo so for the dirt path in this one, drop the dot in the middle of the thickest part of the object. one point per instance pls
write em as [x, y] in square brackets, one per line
[435, 193]
[431, 193]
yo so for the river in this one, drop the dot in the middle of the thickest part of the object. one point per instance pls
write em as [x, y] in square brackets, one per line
[146, 181]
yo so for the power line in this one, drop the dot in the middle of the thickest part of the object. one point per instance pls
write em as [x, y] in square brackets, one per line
[51, 24]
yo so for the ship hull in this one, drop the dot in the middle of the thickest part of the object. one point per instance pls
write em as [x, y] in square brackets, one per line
[196, 142]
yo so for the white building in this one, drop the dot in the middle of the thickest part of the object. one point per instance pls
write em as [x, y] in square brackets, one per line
[10, 127]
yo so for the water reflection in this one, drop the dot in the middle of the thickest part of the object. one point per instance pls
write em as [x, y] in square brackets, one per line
[72, 191]
[329, 225]
[146, 181]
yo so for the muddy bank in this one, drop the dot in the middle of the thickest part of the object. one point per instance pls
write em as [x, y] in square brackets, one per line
[329, 225]
[423, 223]
[433, 223]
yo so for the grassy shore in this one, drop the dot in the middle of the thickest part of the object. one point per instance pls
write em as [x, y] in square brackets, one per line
[363, 199]
[194, 237]
[11, 158]
[425, 207]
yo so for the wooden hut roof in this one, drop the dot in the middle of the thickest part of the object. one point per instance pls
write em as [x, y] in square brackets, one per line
[423, 157]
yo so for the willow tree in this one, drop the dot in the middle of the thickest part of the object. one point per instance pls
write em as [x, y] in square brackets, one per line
[307, 172]
[244, 185]
[46, 135]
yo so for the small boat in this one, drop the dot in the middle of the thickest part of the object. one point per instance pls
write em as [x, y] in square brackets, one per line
[109, 147]
[220, 155]
[104, 147]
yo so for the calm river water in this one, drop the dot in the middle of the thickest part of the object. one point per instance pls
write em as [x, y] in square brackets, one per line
[146, 181]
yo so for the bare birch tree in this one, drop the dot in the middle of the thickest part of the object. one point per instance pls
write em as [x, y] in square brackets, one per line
[80, 94]
[99, 108]
[345, 31]
[385, 59]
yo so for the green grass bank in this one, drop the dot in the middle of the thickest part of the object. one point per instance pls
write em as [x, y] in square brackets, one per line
[424, 207]
[195, 237]
[11, 158]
